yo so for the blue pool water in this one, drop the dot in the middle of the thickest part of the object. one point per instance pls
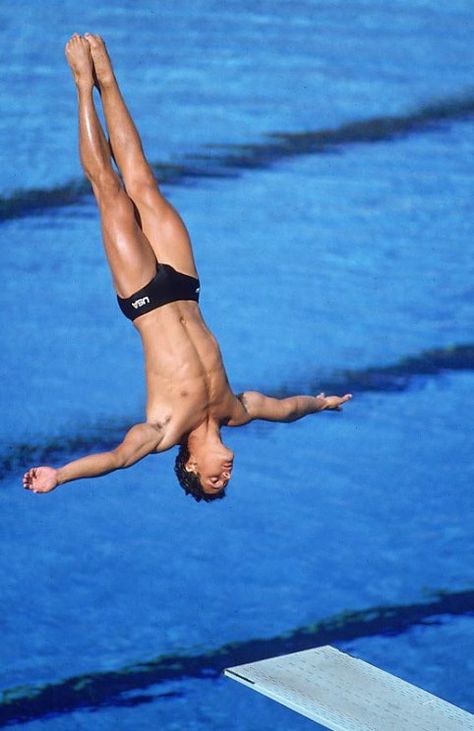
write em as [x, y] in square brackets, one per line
[321, 154]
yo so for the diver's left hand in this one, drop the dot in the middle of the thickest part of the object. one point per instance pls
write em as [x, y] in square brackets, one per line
[334, 403]
[40, 479]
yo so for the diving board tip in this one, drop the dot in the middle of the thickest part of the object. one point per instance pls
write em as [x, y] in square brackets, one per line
[344, 693]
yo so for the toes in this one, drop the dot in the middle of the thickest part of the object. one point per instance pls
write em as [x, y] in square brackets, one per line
[71, 40]
[91, 40]
[95, 41]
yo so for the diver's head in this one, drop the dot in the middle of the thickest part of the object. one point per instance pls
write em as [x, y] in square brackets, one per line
[205, 470]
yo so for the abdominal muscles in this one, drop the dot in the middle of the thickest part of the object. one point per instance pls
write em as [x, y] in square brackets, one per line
[183, 363]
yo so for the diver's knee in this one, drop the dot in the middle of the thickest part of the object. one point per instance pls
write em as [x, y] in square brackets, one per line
[142, 186]
[106, 186]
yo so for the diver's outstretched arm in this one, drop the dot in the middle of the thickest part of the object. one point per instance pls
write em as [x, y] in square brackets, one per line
[140, 440]
[256, 405]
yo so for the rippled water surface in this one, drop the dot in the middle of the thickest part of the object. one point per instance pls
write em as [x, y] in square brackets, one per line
[321, 154]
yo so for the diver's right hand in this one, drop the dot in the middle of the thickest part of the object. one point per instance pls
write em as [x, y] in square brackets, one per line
[333, 403]
[40, 479]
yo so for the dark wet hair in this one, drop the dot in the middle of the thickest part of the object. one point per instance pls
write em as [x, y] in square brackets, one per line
[189, 481]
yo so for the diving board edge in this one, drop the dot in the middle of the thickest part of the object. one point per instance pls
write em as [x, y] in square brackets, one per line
[298, 708]
[344, 693]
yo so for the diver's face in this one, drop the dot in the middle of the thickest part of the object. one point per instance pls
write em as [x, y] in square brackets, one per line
[214, 468]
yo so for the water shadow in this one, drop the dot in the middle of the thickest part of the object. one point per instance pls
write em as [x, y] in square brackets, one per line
[101, 689]
[229, 161]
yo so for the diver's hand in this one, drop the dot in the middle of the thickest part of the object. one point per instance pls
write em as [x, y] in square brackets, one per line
[40, 479]
[333, 403]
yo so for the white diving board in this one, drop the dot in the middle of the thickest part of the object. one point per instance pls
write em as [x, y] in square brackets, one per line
[343, 693]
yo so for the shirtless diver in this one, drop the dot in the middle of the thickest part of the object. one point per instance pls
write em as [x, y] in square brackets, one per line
[149, 253]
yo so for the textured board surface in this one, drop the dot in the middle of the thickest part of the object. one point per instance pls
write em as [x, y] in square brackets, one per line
[346, 694]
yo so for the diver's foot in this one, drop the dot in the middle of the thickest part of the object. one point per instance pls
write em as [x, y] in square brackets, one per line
[104, 72]
[78, 54]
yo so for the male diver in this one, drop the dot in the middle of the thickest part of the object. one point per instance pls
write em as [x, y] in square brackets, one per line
[151, 260]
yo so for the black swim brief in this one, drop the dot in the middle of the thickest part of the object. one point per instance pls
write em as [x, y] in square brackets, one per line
[167, 286]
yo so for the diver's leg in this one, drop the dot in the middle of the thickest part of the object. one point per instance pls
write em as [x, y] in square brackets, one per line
[130, 256]
[161, 224]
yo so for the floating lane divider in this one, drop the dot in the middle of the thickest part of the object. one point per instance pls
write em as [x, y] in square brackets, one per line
[344, 693]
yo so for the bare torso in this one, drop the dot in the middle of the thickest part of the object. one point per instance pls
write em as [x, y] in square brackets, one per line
[185, 376]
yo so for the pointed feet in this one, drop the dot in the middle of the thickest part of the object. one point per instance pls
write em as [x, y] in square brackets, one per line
[79, 58]
[102, 65]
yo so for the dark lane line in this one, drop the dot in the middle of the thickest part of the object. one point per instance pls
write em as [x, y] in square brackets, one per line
[229, 161]
[385, 379]
[396, 377]
[104, 689]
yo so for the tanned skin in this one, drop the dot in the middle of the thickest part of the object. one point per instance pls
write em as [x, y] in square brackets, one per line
[189, 397]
